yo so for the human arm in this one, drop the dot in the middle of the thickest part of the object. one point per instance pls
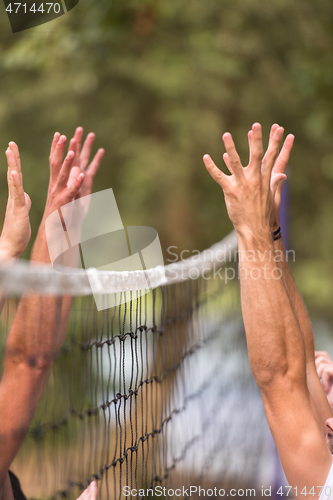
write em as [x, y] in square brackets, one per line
[324, 366]
[16, 230]
[89, 168]
[297, 304]
[275, 343]
[33, 339]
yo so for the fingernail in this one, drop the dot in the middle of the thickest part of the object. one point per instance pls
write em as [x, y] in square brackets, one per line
[81, 176]
[70, 155]
[227, 137]
[62, 139]
[256, 127]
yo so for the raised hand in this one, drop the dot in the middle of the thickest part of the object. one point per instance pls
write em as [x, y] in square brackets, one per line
[249, 193]
[16, 230]
[75, 167]
[82, 158]
[65, 179]
[280, 166]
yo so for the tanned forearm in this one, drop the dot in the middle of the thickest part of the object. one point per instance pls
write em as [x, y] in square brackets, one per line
[299, 309]
[30, 349]
[270, 323]
[33, 339]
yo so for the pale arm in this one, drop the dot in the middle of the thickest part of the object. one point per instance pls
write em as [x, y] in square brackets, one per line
[89, 168]
[16, 230]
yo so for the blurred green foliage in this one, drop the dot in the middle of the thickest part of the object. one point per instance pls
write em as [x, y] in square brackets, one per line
[159, 81]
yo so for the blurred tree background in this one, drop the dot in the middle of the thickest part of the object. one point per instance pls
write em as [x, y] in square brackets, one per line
[159, 81]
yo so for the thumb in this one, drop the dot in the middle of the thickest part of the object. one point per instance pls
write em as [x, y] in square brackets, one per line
[276, 182]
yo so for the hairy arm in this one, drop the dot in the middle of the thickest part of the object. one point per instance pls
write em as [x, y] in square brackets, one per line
[316, 391]
[313, 382]
[277, 356]
[275, 342]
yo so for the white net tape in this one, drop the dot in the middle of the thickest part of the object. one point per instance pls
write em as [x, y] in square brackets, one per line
[24, 277]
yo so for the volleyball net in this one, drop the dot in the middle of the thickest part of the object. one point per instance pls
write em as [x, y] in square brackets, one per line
[152, 391]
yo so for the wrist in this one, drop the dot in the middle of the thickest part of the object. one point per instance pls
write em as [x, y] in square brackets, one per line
[277, 235]
[255, 239]
[274, 226]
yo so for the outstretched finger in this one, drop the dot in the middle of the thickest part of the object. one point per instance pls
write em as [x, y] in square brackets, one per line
[234, 160]
[274, 128]
[215, 172]
[11, 161]
[283, 158]
[227, 162]
[14, 147]
[96, 162]
[65, 170]
[75, 145]
[18, 194]
[86, 150]
[256, 148]
[57, 157]
[55, 141]
[78, 136]
[249, 138]
[272, 153]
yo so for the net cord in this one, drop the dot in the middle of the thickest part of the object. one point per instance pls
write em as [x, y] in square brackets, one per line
[24, 276]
